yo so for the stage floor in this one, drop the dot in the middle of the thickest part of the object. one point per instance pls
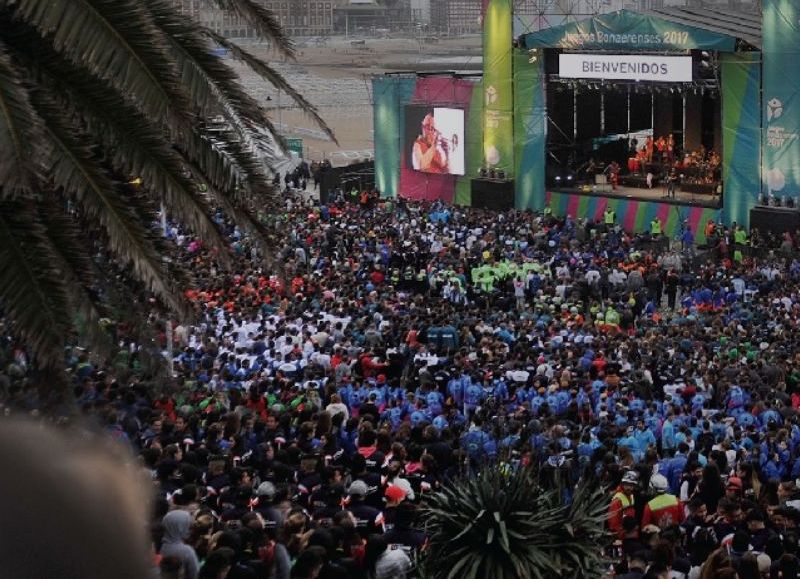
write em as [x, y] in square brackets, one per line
[655, 194]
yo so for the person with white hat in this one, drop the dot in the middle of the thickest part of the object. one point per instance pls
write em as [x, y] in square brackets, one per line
[622, 503]
[664, 509]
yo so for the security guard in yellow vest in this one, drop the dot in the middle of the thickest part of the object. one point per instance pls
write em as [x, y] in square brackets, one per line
[622, 503]
[609, 217]
[663, 510]
[655, 227]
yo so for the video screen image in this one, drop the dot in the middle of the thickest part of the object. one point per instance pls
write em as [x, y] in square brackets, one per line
[435, 139]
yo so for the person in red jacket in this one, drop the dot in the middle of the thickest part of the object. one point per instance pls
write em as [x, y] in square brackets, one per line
[369, 365]
[663, 510]
[622, 503]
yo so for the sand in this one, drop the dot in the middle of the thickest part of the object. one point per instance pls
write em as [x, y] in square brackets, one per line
[335, 77]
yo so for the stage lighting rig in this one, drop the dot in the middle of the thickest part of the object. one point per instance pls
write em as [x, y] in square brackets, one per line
[533, 55]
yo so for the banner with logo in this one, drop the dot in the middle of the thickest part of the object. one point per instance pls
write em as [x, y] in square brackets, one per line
[389, 94]
[781, 98]
[529, 131]
[498, 136]
[741, 134]
[624, 30]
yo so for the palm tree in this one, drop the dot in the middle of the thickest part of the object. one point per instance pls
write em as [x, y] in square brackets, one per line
[96, 95]
[504, 524]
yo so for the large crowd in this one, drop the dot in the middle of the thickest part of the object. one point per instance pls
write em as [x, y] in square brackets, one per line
[402, 344]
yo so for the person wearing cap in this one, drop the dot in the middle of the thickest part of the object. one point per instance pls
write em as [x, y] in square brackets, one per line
[733, 488]
[264, 504]
[369, 520]
[394, 496]
[664, 509]
[622, 503]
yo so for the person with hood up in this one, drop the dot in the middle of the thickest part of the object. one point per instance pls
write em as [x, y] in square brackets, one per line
[176, 529]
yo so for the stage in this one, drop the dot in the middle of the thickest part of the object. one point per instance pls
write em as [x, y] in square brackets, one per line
[637, 194]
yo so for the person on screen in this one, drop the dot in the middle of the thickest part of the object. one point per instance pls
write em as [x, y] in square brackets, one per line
[430, 152]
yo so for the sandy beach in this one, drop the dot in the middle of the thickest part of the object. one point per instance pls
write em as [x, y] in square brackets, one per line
[335, 76]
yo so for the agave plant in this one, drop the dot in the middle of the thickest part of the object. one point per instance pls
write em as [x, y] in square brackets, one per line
[503, 524]
[98, 94]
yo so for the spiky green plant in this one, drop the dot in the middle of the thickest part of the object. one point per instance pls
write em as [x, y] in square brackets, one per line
[501, 524]
[95, 94]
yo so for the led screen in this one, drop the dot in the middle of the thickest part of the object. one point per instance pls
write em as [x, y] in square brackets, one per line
[435, 139]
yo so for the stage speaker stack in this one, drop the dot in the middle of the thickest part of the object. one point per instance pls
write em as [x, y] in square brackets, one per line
[494, 194]
[774, 219]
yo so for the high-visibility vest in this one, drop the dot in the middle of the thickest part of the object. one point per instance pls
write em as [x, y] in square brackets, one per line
[655, 227]
[662, 501]
[625, 500]
[609, 216]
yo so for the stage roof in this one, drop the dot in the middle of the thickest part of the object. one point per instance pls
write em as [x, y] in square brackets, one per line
[741, 25]
[665, 30]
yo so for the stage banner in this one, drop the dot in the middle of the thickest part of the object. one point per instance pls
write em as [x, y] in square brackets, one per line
[781, 98]
[741, 134]
[529, 131]
[389, 94]
[498, 139]
[474, 151]
[624, 30]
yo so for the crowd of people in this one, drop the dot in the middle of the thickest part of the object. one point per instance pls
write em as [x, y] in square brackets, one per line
[402, 344]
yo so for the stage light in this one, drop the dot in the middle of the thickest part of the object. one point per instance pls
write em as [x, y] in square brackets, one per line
[533, 55]
[558, 178]
[705, 54]
[569, 177]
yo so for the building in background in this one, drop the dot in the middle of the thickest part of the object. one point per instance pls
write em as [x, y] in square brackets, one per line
[298, 17]
[304, 17]
[453, 17]
[220, 21]
[447, 17]
[421, 11]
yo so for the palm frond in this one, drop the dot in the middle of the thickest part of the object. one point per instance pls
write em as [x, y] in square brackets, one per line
[105, 203]
[124, 47]
[209, 82]
[20, 133]
[75, 268]
[34, 296]
[263, 21]
[275, 78]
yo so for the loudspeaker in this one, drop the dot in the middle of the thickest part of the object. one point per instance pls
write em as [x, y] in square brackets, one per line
[493, 194]
[774, 219]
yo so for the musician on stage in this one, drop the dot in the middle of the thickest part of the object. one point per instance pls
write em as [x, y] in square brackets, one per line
[641, 157]
[670, 149]
[661, 147]
[591, 169]
[613, 173]
[672, 183]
